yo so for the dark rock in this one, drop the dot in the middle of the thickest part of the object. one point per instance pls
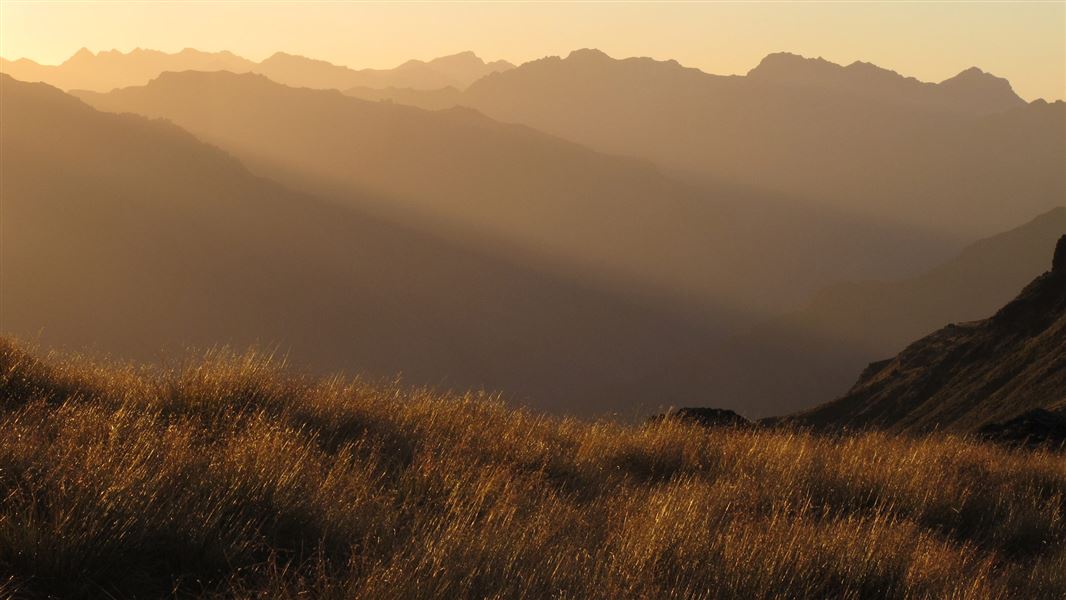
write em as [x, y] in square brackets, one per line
[1058, 264]
[1034, 428]
[705, 417]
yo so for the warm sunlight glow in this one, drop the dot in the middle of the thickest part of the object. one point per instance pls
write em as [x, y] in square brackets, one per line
[730, 300]
[1022, 41]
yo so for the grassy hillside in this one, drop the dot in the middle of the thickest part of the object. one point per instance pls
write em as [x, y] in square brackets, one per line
[227, 476]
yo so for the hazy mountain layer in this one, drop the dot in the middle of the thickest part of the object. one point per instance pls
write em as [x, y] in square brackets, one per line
[725, 252]
[438, 99]
[964, 158]
[971, 91]
[125, 235]
[797, 360]
[456, 71]
[104, 71]
[970, 374]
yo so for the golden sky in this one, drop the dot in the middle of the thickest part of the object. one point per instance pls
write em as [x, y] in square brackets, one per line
[1022, 41]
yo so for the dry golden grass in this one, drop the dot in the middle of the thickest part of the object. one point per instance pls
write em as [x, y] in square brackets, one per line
[226, 477]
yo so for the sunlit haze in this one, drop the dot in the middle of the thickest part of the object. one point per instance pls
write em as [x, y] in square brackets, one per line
[1024, 42]
[511, 299]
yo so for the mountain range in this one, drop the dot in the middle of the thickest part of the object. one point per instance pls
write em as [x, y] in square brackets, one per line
[711, 224]
[961, 157]
[729, 254]
[858, 138]
[456, 71]
[104, 71]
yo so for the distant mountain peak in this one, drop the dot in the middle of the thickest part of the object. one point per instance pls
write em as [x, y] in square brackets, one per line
[786, 66]
[82, 54]
[283, 55]
[782, 63]
[196, 52]
[972, 89]
[466, 58]
[971, 72]
[868, 69]
[1058, 264]
[981, 89]
[588, 54]
[464, 55]
[975, 76]
[290, 57]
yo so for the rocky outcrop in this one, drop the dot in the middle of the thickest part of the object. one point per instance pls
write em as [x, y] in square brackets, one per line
[704, 417]
[1058, 265]
[967, 375]
[1038, 428]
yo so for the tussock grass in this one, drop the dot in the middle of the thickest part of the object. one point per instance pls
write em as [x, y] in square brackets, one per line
[227, 477]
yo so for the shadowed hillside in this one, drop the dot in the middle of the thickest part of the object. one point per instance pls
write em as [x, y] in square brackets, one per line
[229, 478]
[800, 359]
[129, 236]
[967, 374]
[963, 157]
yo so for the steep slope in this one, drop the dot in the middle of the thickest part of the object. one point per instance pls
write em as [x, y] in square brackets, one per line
[797, 360]
[104, 71]
[128, 236]
[964, 157]
[967, 375]
[727, 253]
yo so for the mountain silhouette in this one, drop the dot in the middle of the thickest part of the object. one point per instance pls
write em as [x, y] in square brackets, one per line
[962, 158]
[967, 375]
[439, 99]
[124, 236]
[699, 207]
[794, 361]
[728, 254]
[104, 71]
[971, 91]
[457, 71]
